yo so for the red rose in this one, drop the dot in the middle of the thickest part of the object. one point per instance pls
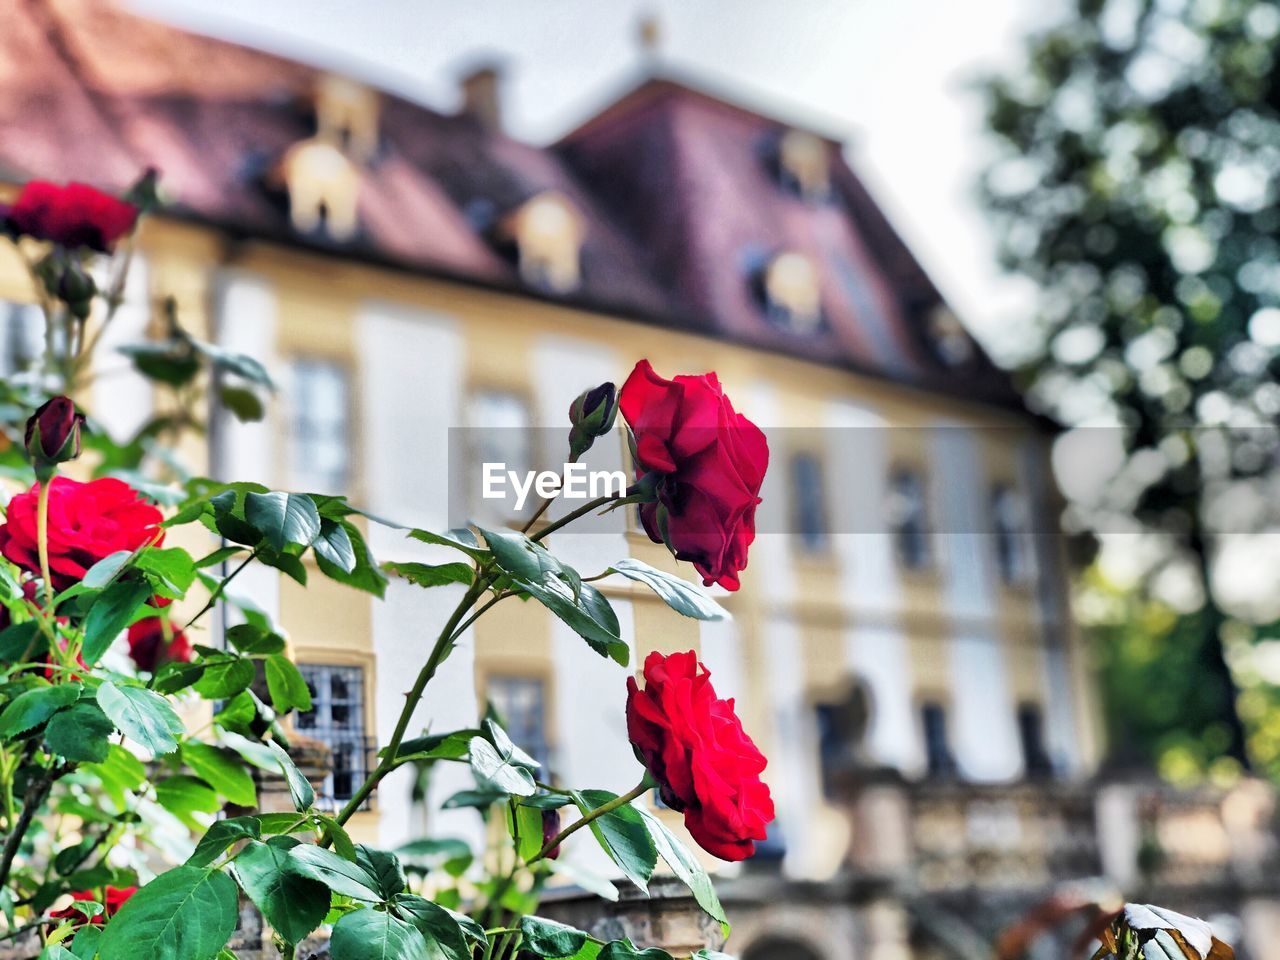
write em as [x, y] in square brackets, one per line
[710, 462]
[147, 646]
[694, 746]
[115, 899]
[75, 215]
[87, 522]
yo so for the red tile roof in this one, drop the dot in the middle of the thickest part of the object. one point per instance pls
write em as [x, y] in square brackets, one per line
[675, 185]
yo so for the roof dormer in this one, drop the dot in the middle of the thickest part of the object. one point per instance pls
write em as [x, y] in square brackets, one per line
[547, 231]
[948, 337]
[803, 164]
[792, 292]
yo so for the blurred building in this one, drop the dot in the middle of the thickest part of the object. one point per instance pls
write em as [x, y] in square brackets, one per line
[900, 647]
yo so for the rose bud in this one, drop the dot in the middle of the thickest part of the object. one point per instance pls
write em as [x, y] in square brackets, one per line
[76, 288]
[592, 415]
[551, 827]
[53, 434]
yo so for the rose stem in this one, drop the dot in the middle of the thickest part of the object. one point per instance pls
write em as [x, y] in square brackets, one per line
[42, 539]
[595, 814]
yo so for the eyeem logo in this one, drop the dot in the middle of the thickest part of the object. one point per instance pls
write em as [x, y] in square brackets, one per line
[576, 483]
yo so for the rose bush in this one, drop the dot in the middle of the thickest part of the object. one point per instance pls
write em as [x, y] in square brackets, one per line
[694, 745]
[708, 463]
[86, 740]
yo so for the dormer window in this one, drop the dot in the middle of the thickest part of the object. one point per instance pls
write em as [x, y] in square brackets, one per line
[803, 164]
[324, 189]
[347, 116]
[792, 292]
[547, 231]
[949, 339]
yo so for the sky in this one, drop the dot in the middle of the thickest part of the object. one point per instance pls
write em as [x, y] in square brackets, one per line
[893, 79]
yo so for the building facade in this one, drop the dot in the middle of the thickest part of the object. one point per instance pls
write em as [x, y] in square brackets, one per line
[405, 273]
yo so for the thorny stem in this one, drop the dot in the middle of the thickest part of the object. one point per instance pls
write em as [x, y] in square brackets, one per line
[36, 795]
[438, 653]
[587, 818]
[221, 588]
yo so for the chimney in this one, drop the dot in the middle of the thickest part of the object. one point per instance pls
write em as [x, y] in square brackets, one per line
[480, 96]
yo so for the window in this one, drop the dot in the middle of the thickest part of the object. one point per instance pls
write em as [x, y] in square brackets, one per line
[498, 431]
[21, 336]
[548, 233]
[937, 746]
[1008, 522]
[909, 519]
[802, 165]
[521, 704]
[319, 416]
[948, 337]
[808, 502]
[337, 719]
[1035, 757]
[792, 293]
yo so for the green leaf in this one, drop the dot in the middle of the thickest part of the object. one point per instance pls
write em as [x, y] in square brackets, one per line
[106, 569]
[22, 642]
[438, 746]
[81, 733]
[111, 612]
[506, 747]
[249, 638]
[678, 594]
[224, 677]
[300, 789]
[222, 834]
[144, 717]
[428, 853]
[294, 905]
[623, 834]
[443, 934]
[334, 544]
[383, 866]
[460, 538]
[173, 567]
[222, 770]
[184, 796]
[85, 945]
[338, 874]
[366, 576]
[56, 951]
[243, 403]
[376, 935]
[283, 518]
[526, 830]
[34, 707]
[684, 864]
[184, 914]
[548, 938]
[560, 589]
[287, 687]
[626, 950]
[431, 575]
[120, 773]
[500, 771]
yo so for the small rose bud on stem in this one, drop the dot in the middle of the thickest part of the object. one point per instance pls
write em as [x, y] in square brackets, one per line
[52, 437]
[592, 415]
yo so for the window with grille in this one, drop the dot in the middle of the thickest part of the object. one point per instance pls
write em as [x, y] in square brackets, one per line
[21, 336]
[521, 702]
[1035, 757]
[319, 424]
[1009, 522]
[909, 519]
[498, 424]
[336, 718]
[809, 502]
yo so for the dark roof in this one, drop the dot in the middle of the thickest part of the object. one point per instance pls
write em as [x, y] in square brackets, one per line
[675, 186]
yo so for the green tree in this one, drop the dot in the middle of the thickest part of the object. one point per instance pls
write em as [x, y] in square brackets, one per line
[1136, 187]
